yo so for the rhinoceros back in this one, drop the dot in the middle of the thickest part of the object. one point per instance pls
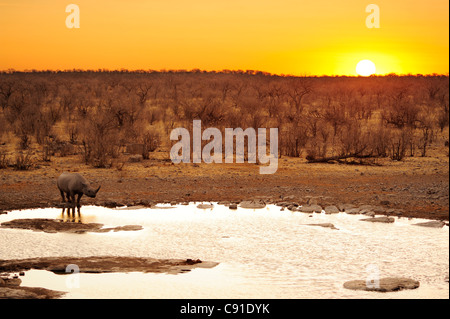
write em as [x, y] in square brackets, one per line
[71, 182]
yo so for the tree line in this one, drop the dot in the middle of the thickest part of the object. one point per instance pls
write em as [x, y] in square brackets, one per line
[95, 114]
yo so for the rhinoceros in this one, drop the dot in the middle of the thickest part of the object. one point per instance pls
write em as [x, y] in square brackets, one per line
[73, 184]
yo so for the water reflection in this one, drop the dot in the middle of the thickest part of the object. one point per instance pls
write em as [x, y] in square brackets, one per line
[265, 253]
[70, 214]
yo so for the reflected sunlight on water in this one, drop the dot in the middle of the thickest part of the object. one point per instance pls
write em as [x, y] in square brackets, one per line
[265, 253]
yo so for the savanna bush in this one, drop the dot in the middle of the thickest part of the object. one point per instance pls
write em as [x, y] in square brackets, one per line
[318, 117]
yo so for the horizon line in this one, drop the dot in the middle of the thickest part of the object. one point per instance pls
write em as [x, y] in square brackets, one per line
[223, 71]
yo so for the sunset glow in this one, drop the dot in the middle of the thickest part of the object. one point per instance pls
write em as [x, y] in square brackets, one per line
[285, 37]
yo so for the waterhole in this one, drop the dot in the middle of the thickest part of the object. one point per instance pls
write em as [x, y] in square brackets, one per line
[262, 253]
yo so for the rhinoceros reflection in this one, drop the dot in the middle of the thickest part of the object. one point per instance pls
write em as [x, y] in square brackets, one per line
[70, 214]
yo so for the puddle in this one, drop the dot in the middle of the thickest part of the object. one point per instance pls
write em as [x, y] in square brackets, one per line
[263, 253]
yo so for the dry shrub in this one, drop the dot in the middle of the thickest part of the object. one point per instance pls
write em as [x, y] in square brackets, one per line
[400, 140]
[380, 141]
[293, 139]
[353, 141]
[23, 162]
[151, 140]
[100, 139]
[4, 163]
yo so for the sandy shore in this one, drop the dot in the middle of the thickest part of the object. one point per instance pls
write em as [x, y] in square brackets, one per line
[415, 187]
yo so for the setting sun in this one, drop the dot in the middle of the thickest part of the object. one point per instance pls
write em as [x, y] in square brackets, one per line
[366, 68]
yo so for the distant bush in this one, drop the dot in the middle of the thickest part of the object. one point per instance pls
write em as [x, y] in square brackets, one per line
[96, 114]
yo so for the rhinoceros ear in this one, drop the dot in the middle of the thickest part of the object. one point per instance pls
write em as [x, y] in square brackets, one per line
[98, 189]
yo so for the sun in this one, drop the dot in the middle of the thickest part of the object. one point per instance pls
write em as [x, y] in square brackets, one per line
[366, 68]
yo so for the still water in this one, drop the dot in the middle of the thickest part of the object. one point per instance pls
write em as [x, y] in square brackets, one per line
[263, 253]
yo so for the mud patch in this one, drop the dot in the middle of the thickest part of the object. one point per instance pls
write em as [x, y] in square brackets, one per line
[29, 293]
[105, 264]
[95, 264]
[57, 225]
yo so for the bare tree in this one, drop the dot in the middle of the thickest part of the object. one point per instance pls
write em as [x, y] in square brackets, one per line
[297, 89]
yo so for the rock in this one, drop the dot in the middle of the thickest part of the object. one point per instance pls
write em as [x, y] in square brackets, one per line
[287, 204]
[432, 224]
[193, 262]
[385, 285]
[144, 202]
[370, 213]
[2, 212]
[394, 211]
[232, 206]
[352, 211]
[205, 206]
[331, 210]
[283, 203]
[253, 204]
[345, 207]
[312, 201]
[326, 225]
[376, 209]
[310, 209]
[383, 219]
[379, 210]
[111, 204]
[362, 207]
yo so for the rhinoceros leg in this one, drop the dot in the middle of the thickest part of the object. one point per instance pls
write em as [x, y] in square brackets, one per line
[71, 198]
[78, 200]
[62, 196]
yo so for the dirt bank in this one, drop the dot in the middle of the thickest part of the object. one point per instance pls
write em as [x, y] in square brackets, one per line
[415, 187]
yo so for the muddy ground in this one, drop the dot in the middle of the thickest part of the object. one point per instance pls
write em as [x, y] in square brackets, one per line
[10, 286]
[415, 187]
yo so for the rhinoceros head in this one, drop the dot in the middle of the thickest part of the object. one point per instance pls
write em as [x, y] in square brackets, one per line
[90, 192]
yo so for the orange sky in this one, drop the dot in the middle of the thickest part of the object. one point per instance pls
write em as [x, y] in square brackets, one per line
[284, 36]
